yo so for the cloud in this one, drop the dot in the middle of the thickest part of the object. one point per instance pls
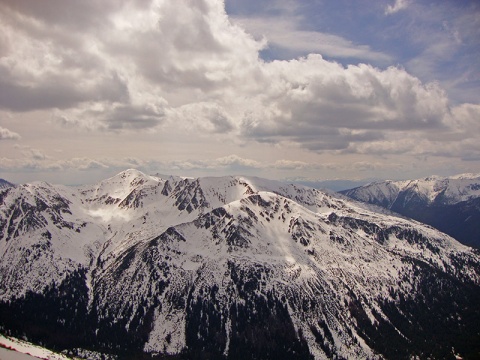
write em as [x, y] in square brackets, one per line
[35, 160]
[291, 164]
[446, 39]
[6, 134]
[396, 7]
[107, 116]
[113, 72]
[322, 105]
[285, 33]
[203, 117]
[185, 70]
[232, 162]
[31, 153]
[47, 65]
[56, 91]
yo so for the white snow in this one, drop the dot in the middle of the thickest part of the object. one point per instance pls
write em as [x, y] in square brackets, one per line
[107, 215]
[30, 350]
[452, 189]
[131, 209]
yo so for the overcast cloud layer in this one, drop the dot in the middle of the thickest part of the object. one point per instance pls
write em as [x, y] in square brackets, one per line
[89, 88]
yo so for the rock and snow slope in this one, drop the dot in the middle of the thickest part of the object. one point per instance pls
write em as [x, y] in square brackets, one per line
[450, 204]
[5, 184]
[230, 267]
[445, 190]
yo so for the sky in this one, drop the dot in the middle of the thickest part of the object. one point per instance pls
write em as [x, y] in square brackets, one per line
[290, 90]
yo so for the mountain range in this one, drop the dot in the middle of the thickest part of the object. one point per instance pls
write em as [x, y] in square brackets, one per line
[450, 204]
[5, 184]
[141, 266]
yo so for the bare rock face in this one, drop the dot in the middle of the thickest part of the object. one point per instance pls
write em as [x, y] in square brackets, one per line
[142, 266]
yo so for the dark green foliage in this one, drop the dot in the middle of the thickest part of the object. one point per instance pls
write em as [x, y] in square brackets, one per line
[460, 220]
[261, 327]
[379, 335]
[205, 329]
[116, 336]
[58, 318]
[123, 327]
[440, 315]
[324, 337]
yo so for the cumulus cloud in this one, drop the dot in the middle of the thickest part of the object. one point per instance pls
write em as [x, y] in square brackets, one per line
[322, 105]
[56, 91]
[6, 134]
[47, 65]
[232, 162]
[126, 57]
[184, 69]
[203, 116]
[31, 153]
[291, 164]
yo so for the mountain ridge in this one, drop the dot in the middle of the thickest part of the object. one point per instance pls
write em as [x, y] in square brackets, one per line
[450, 204]
[193, 268]
[5, 184]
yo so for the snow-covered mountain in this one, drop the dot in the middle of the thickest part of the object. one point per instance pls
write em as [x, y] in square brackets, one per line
[451, 204]
[5, 184]
[229, 268]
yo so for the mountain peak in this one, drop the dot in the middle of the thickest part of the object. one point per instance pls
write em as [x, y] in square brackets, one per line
[466, 176]
[229, 267]
[130, 174]
[450, 204]
[118, 187]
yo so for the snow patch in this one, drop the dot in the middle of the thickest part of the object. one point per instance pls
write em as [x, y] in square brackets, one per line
[25, 347]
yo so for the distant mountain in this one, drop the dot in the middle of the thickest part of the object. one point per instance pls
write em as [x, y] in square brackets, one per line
[142, 266]
[450, 204]
[335, 185]
[5, 184]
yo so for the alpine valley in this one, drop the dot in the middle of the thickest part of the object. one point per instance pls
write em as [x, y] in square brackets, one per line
[141, 267]
[450, 204]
